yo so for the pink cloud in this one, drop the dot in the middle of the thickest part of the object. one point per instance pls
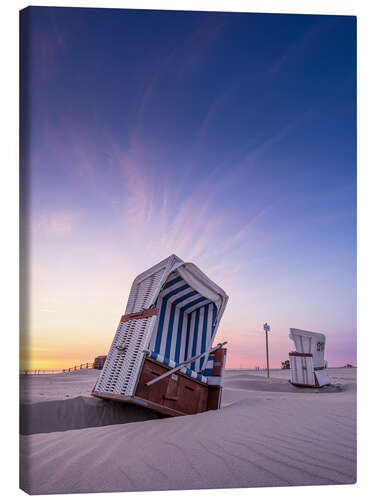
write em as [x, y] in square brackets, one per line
[57, 223]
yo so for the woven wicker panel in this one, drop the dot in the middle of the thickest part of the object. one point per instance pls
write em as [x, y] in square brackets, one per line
[143, 291]
[121, 370]
[147, 285]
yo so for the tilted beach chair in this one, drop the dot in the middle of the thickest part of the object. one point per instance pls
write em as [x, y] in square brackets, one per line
[162, 355]
[307, 364]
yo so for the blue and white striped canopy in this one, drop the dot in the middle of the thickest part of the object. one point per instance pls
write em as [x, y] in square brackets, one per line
[185, 326]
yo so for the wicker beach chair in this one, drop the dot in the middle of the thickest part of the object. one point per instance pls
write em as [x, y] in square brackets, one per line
[307, 364]
[162, 355]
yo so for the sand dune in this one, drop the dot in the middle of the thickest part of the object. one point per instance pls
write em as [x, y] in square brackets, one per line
[60, 386]
[268, 433]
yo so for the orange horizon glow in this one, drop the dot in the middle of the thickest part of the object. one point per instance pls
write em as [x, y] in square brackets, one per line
[244, 350]
[71, 322]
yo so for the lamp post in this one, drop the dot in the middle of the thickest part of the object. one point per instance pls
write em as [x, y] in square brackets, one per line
[267, 329]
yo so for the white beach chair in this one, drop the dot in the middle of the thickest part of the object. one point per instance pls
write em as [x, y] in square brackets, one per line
[162, 356]
[307, 364]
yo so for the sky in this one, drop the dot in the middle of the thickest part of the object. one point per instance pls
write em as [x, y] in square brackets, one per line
[227, 139]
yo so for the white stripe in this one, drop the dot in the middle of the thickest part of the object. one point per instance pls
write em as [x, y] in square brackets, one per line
[181, 294]
[174, 334]
[191, 335]
[196, 364]
[183, 338]
[209, 333]
[188, 300]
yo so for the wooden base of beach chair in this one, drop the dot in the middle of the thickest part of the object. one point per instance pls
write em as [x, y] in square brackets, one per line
[162, 409]
[303, 372]
[139, 402]
[178, 392]
[176, 395]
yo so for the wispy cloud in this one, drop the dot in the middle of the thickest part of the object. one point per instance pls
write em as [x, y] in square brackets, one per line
[298, 46]
[57, 223]
[176, 64]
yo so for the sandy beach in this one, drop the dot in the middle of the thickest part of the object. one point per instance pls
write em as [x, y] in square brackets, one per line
[267, 433]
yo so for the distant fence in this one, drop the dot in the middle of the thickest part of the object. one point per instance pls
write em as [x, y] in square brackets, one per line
[258, 369]
[83, 366]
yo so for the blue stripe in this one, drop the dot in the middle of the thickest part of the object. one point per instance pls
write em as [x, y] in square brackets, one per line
[171, 319]
[179, 335]
[162, 314]
[214, 314]
[163, 319]
[184, 297]
[187, 336]
[175, 291]
[195, 339]
[191, 304]
[208, 371]
[170, 331]
[204, 335]
[172, 282]
[161, 325]
[154, 355]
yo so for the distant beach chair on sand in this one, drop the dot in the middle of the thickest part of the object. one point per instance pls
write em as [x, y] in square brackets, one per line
[162, 355]
[307, 364]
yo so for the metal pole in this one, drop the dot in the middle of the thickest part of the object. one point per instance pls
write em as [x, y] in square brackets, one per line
[266, 329]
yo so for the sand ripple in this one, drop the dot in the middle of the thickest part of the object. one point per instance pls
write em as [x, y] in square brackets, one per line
[262, 437]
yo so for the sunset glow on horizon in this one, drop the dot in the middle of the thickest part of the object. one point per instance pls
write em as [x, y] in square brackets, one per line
[226, 139]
